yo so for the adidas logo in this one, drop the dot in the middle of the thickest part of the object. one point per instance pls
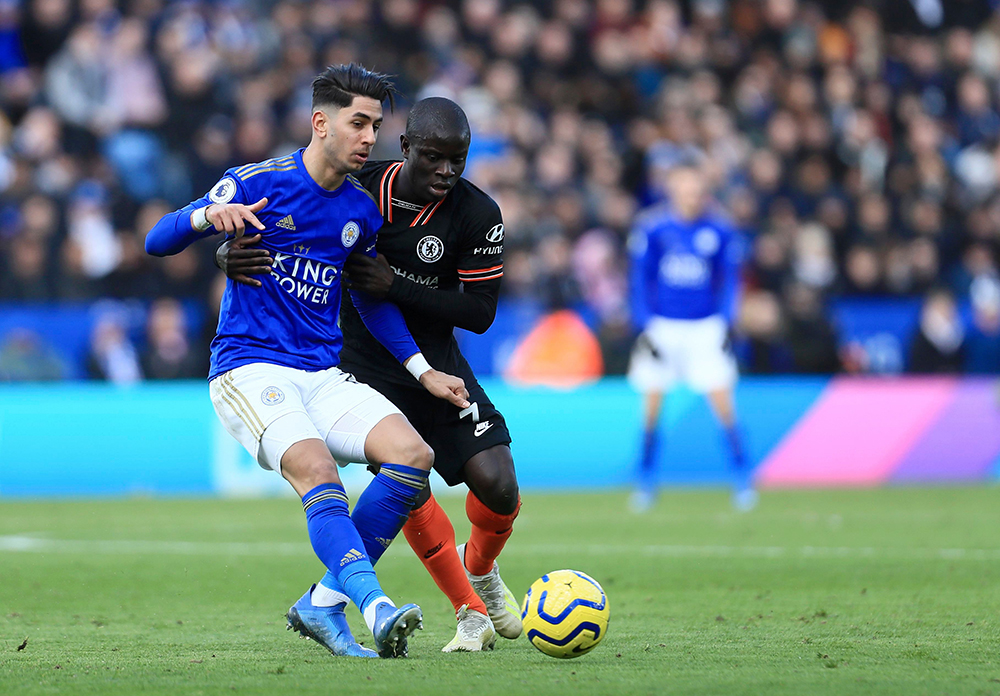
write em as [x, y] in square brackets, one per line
[383, 541]
[351, 556]
[286, 222]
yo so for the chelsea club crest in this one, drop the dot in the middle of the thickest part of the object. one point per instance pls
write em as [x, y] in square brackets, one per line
[272, 396]
[349, 235]
[430, 249]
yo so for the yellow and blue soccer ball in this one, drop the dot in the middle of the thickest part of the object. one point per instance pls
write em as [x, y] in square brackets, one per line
[565, 613]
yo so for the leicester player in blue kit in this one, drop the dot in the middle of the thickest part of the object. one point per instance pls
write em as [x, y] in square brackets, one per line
[274, 378]
[685, 282]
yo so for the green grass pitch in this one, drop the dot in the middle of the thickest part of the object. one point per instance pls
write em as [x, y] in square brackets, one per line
[823, 592]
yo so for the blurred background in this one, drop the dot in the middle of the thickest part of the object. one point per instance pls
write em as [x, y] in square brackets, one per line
[856, 145]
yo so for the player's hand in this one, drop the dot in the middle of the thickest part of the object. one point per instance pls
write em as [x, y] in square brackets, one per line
[447, 387]
[371, 276]
[231, 218]
[240, 259]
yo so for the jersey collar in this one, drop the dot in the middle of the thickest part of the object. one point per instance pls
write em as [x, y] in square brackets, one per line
[385, 198]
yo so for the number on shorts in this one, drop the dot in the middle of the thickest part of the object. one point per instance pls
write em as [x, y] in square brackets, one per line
[472, 411]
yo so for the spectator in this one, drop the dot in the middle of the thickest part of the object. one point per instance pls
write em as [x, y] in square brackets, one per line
[982, 346]
[169, 352]
[939, 344]
[112, 357]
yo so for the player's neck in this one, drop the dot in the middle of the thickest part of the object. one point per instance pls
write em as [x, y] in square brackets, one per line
[404, 190]
[321, 171]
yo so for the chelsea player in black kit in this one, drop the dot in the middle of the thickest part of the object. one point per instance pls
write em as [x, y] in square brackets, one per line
[440, 260]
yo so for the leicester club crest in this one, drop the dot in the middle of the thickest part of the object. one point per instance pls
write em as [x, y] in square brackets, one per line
[430, 249]
[272, 396]
[349, 235]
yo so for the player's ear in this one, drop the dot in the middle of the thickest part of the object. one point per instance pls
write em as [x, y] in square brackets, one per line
[404, 145]
[320, 123]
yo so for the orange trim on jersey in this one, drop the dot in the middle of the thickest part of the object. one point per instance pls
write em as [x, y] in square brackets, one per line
[482, 270]
[385, 190]
[420, 219]
[474, 280]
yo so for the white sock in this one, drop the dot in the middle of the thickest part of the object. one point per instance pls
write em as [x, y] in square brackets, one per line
[372, 608]
[323, 596]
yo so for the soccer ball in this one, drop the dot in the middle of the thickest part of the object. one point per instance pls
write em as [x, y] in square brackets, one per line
[565, 613]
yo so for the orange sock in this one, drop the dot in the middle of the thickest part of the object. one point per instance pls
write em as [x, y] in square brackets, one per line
[490, 532]
[432, 538]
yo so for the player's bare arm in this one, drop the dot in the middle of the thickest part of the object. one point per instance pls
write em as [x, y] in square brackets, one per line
[440, 384]
[241, 259]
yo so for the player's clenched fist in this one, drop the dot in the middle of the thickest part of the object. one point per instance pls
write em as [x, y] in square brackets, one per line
[447, 387]
[230, 217]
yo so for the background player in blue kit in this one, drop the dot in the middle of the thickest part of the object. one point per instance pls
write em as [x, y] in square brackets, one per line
[274, 379]
[685, 282]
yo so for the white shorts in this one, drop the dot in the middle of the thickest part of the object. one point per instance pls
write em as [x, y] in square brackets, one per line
[268, 408]
[691, 351]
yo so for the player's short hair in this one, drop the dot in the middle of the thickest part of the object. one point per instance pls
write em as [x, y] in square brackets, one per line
[339, 84]
[437, 116]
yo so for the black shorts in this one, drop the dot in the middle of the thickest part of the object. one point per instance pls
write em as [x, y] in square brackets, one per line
[454, 438]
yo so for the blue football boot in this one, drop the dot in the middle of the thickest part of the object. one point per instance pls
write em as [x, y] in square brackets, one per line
[393, 625]
[325, 625]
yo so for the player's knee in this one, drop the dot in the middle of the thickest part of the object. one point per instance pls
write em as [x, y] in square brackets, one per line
[417, 454]
[497, 489]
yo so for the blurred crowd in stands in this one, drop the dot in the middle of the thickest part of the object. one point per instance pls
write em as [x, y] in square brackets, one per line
[856, 144]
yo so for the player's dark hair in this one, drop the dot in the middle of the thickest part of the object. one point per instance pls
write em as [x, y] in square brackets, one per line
[339, 84]
[437, 116]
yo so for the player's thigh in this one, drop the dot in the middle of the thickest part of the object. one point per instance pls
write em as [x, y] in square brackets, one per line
[459, 436]
[250, 398]
[348, 412]
[654, 364]
[293, 445]
[393, 440]
[709, 366]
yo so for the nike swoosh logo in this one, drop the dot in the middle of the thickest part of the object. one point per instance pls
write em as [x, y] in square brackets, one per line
[434, 550]
[480, 429]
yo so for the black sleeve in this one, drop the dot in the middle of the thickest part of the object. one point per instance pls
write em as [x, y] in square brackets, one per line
[473, 310]
[480, 268]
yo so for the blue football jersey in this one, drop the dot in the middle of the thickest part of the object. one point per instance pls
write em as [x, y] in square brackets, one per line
[293, 319]
[683, 269]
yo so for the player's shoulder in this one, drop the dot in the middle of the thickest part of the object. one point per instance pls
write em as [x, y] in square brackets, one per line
[471, 202]
[275, 165]
[360, 188]
[370, 175]
[652, 217]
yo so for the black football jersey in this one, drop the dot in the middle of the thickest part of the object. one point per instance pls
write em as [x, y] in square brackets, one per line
[433, 248]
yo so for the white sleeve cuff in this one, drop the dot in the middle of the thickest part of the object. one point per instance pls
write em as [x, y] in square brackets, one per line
[417, 365]
[199, 219]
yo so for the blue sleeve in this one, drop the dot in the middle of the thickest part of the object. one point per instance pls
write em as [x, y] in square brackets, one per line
[642, 276]
[386, 323]
[173, 232]
[730, 261]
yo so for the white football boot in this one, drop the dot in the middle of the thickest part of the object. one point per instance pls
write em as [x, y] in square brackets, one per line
[500, 602]
[475, 632]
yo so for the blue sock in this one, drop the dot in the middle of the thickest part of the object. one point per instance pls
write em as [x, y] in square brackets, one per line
[381, 511]
[650, 454]
[338, 545]
[737, 456]
[384, 506]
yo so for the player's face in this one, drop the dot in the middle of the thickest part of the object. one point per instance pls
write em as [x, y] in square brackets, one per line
[434, 165]
[687, 192]
[351, 133]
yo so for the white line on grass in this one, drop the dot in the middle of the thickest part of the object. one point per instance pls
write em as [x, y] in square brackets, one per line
[38, 544]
